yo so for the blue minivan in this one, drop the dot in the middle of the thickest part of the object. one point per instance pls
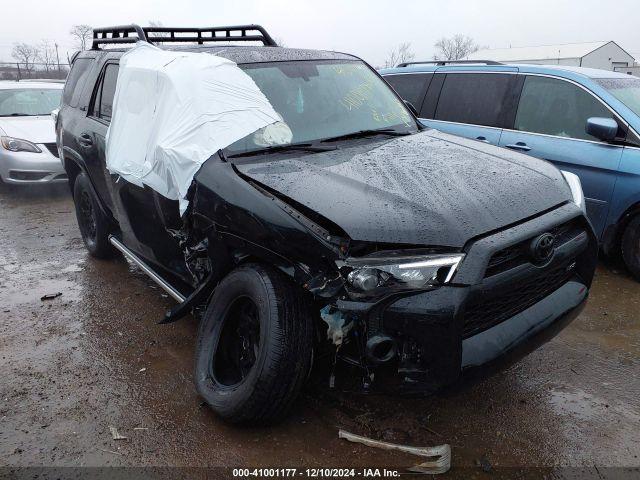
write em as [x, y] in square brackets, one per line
[583, 120]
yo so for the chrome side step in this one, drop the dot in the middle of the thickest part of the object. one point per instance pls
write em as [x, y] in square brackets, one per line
[146, 269]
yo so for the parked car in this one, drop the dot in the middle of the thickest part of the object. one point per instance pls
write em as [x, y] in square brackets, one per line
[585, 121]
[398, 253]
[28, 152]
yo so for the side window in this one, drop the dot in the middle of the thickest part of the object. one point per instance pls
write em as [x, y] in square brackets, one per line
[410, 87]
[477, 99]
[103, 102]
[76, 81]
[557, 107]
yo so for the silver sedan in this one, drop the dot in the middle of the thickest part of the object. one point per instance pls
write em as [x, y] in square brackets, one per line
[28, 152]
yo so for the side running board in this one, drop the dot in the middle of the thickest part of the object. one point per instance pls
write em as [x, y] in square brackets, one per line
[146, 269]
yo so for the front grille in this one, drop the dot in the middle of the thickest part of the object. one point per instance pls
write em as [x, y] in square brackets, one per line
[482, 313]
[518, 254]
[27, 176]
[53, 148]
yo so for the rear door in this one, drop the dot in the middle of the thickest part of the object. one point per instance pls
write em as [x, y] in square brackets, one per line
[92, 136]
[550, 124]
[75, 125]
[473, 105]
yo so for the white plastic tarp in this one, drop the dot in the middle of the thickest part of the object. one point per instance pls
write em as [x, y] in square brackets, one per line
[173, 110]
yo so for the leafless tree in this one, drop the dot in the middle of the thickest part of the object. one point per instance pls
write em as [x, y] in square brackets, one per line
[46, 55]
[82, 35]
[25, 55]
[455, 48]
[158, 24]
[398, 55]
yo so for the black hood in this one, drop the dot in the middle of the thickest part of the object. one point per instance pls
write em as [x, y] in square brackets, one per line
[429, 188]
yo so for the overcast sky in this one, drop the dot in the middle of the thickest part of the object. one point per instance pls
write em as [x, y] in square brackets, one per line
[367, 28]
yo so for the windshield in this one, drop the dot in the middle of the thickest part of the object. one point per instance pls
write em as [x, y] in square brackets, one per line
[627, 90]
[323, 99]
[28, 101]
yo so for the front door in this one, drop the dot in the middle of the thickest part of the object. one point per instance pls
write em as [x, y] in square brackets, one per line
[550, 124]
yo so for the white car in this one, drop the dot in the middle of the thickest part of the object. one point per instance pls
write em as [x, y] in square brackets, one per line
[28, 152]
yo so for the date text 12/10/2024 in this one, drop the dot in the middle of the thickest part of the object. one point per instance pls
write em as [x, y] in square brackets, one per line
[315, 472]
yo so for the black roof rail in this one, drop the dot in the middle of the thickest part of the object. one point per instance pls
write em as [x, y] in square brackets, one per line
[154, 35]
[449, 62]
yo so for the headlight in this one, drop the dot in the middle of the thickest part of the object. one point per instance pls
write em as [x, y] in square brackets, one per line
[576, 189]
[18, 145]
[371, 275]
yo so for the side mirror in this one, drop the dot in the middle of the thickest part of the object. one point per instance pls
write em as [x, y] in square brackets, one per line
[605, 129]
[411, 107]
[54, 115]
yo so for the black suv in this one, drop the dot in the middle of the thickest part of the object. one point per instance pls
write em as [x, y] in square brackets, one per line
[388, 255]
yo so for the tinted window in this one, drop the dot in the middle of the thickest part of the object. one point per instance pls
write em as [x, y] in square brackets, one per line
[477, 99]
[556, 107]
[108, 91]
[410, 87]
[76, 81]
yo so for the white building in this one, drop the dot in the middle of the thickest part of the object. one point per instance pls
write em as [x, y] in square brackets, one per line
[603, 55]
[632, 70]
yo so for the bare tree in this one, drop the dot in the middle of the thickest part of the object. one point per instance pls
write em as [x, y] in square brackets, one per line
[25, 55]
[454, 48]
[46, 54]
[158, 24]
[398, 55]
[280, 42]
[82, 35]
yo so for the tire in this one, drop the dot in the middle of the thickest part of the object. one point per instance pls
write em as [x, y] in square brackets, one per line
[94, 226]
[246, 376]
[631, 246]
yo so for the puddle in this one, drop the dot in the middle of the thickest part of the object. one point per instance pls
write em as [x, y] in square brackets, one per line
[14, 295]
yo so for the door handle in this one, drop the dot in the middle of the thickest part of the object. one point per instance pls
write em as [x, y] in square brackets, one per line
[523, 147]
[482, 139]
[85, 140]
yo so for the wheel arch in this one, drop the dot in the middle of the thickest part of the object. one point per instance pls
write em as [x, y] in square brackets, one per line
[74, 167]
[613, 234]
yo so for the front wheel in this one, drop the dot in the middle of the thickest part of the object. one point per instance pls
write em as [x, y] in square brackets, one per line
[254, 346]
[93, 224]
[631, 246]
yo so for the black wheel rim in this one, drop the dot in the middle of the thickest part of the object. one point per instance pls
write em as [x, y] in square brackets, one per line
[238, 344]
[87, 217]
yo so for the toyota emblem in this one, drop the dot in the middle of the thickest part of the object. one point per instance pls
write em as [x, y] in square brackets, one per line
[541, 249]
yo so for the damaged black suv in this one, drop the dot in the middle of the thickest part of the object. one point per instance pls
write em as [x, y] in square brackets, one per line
[389, 256]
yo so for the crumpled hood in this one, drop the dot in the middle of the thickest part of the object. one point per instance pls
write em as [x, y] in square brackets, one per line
[40, 129]
[430, 188]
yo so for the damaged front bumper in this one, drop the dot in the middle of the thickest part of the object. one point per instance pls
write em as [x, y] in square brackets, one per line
[428, 347]
[420, 341]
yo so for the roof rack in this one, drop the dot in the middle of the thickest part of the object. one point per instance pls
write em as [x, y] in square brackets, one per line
[154, 35]
[450, 62]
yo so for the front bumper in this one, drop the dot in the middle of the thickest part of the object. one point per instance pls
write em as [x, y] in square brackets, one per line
[484, 318]
[31, 168]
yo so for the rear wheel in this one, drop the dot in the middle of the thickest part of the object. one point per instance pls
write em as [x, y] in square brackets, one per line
[631, 246]
[254, 346]
[94, 226]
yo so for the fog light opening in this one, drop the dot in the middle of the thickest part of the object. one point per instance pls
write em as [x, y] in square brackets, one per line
[381, 349]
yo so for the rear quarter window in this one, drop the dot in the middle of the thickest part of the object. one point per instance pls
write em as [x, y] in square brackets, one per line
[410, 87]
[476, 99]
[76, 81]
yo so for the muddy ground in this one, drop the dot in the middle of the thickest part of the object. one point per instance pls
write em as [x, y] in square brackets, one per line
[94, 357]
